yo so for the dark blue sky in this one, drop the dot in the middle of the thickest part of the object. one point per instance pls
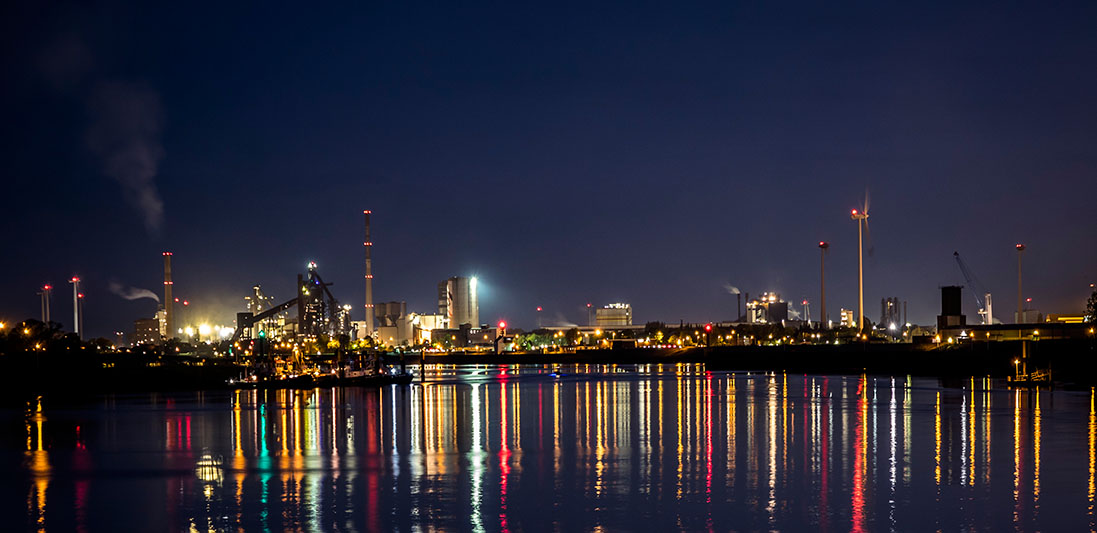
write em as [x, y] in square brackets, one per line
[642, 153]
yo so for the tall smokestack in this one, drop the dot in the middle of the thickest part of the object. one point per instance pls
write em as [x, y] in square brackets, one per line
[369, 277]
[1020, 299]
[76, 318]
[169, 315]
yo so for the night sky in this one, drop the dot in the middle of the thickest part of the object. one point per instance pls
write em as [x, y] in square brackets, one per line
[647, 154]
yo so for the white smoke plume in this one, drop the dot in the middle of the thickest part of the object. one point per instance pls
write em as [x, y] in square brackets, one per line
[562, 321]
[731, 288]
[126, 122]
[793, 314]
[132, 293]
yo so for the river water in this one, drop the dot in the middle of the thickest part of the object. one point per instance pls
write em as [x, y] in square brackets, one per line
[592, 448]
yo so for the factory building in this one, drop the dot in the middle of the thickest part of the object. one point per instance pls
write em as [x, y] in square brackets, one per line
[409, 329]
[1028, 314]
[891, 316]
[465, 337]
[952, 314]
[388, 313]
[847, 318]
[458, 302]
[1016, 332]
[612, 315]
[146, 331]
[769, 309]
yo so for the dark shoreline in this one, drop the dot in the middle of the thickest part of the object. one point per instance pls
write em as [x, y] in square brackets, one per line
[1071, 363]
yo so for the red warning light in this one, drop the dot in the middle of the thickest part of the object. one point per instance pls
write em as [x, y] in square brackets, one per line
[708, 327]
[502, 325]
[538, 309]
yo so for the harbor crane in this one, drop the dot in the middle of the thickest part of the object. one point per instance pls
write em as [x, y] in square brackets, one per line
[984, 304]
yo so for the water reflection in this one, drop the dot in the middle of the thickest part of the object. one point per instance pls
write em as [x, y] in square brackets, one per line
[1092, 456]
[38, 464]
[486, 448]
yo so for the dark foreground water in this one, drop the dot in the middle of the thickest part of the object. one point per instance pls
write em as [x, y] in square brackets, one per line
[626, 448]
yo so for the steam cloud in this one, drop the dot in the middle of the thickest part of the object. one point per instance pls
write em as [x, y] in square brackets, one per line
[132, 293]
[126, 122]
[731, 289]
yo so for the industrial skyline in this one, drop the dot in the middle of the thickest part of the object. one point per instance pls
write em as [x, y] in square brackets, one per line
[458, 300]
[633, 154]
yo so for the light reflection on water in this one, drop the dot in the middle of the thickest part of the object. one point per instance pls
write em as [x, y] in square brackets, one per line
[500, 448]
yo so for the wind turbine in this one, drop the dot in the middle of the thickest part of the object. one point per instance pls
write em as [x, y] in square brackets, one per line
[862, 221]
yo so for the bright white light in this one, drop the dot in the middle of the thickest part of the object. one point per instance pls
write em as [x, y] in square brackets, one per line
[203, 330]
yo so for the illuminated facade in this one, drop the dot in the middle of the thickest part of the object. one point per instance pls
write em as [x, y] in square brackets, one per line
[146, 331]
[615, 314]
[411, 329]
[768, 309]
[848, 318]
[458, 301]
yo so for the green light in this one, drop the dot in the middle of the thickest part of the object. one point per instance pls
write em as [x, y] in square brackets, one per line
[262, 334]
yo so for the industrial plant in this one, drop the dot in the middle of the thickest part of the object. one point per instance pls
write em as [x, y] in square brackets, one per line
[313, 329]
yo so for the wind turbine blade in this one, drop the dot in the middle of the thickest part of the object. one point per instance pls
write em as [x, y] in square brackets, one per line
[866, 200]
